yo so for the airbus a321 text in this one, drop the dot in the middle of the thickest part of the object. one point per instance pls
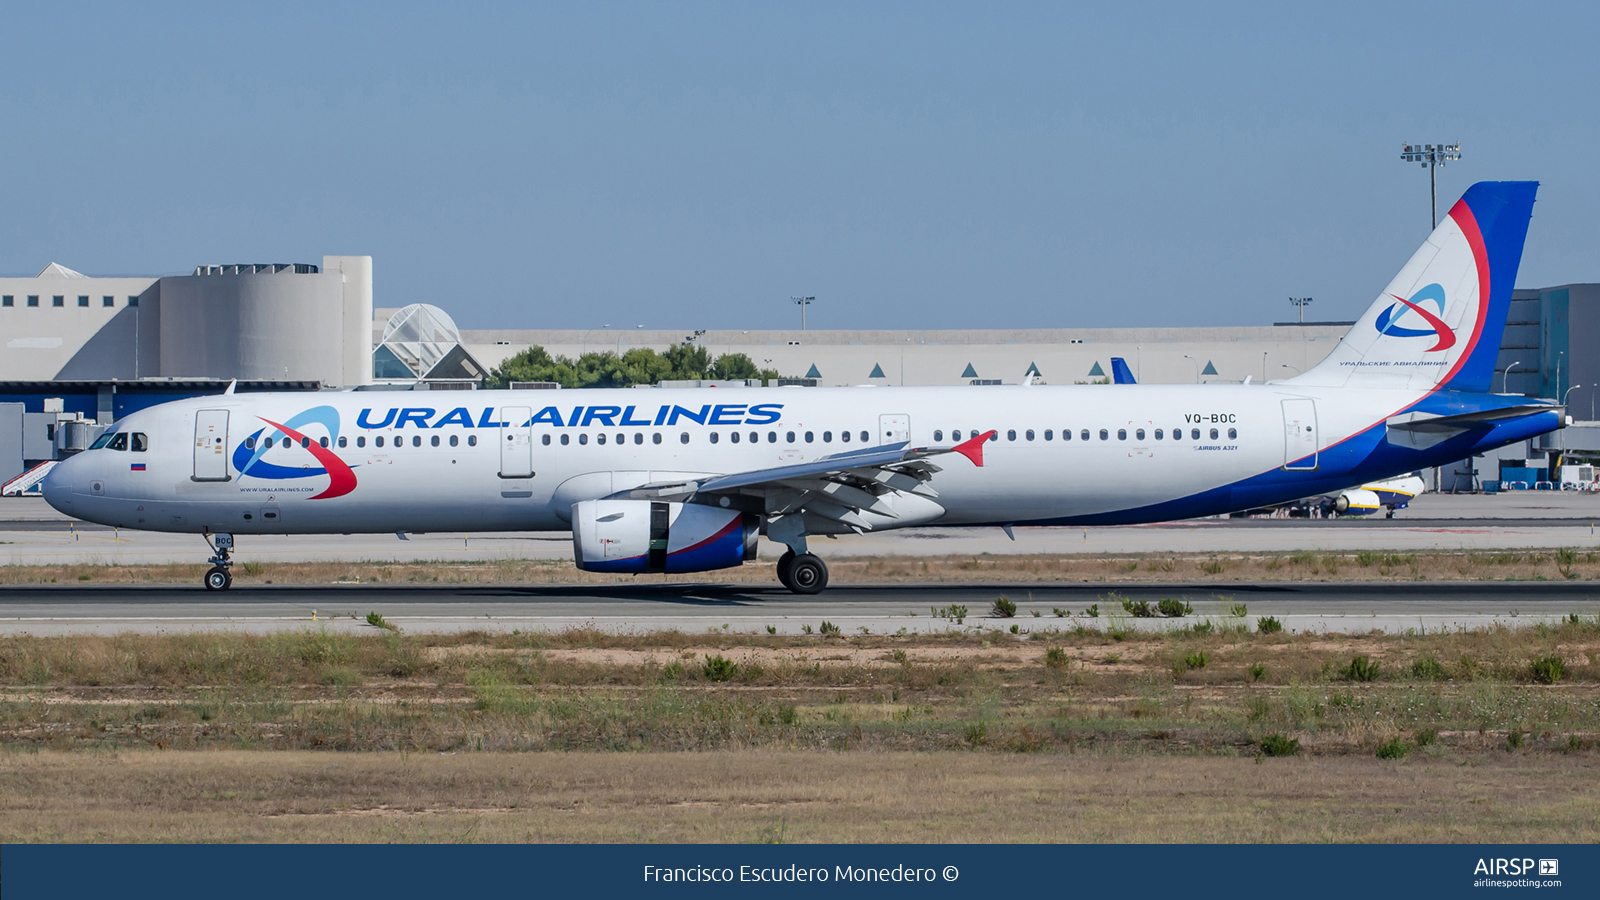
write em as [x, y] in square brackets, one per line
[686, 480]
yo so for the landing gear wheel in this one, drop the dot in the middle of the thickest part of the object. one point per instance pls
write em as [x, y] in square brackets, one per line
[785, 564]
[807, 575]
[218, 579]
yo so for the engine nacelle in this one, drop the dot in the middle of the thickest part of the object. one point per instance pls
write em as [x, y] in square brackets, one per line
[653, 536]
[1357, 503]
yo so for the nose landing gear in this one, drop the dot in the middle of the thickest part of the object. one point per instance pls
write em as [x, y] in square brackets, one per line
[218, 578]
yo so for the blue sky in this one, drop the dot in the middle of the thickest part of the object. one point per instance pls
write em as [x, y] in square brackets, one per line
[694, 165]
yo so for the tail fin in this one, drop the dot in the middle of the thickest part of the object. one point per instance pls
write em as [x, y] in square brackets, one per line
[1120, 373]
[1440, 321]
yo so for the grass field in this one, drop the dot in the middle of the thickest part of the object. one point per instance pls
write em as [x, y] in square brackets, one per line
[1213, 733]
[1512, 565]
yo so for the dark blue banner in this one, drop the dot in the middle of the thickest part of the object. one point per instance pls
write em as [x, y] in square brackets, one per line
[1187, 871]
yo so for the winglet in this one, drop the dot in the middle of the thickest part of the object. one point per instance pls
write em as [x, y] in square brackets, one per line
[231, 385]
[972, 448]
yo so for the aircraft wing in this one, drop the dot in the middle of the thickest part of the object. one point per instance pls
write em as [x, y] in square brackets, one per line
[839, 487]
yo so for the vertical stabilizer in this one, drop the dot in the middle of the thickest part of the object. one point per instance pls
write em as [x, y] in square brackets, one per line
[1439, 322]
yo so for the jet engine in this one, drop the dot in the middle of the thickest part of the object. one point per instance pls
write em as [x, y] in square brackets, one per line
[1359, 502]
[653, 536]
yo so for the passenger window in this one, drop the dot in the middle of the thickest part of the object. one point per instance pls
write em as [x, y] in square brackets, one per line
[1049, 435]
[345, 442]
[1105, 435]
[1139, 434]
[1194, 434]
[864, 437]
[267, 443]
[583, 439]
[791, 437]
[249, 443]
[472, 440]
[305, 442]
[1159, 434]
[599, 438]
[937, 435]
[1084, 436]
[827, 437]
[434, 440]
[638, 438]
[844, 436]
[808, 437]
[120, 442]
[955, 434]
[324, 441]
[361, 442]
[1122, 434]
[565, 439]
[713, 437]
[772, 437]
[622, 439]
[376, 442]
[1213, 434]
[993, 435]
[1029, 435]
[655, 438]
[1233, 434]
[416, 440]
[1011, 435]
[683, 438]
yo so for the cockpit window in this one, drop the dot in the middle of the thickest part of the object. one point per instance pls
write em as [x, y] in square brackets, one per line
[120, 442]
[141, 443]
[102, 440]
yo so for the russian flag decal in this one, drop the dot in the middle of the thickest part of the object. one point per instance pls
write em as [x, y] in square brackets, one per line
[136, 467]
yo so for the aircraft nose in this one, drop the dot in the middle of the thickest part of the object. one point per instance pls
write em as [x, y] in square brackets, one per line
[57, 485]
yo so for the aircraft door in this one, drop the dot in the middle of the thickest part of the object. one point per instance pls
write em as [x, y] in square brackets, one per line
[1300, 435]
[211, 445]
[516, 447]
[894, 428]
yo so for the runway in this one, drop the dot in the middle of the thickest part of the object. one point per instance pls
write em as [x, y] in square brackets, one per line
[880, 609]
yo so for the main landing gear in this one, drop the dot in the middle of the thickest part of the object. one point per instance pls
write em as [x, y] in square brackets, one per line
[803, 573]
[218, 578]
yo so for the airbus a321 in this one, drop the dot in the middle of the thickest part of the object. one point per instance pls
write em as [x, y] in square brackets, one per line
[686, 480]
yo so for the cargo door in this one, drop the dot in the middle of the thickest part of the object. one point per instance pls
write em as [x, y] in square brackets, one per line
[211, 445]
[516, 444]
[1299, 435]
[894, 428]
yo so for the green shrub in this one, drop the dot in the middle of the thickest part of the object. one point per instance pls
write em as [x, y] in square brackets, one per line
[1214, 567]
[1196, 659]
[787, 715]
[1268, 625]
[1427, 668]
[1173, 609]
[1280, 745]
[673, 671]
[1361, 669]
[954, 611]
[1427, 736]
[1056, 658]
[1015, 628]
[719, 668]
[1061, 613]
[1238, 610]
[1257, 671]
[376, 620]
[977, 733]
[1205, 627]
[828, 627]
[1003, 607]
[772, 629]
[1093, 611]
[1547, 669]
[1394, 749]
[85, 576]
[1515, 737]
[1139, 609]
[805, 629]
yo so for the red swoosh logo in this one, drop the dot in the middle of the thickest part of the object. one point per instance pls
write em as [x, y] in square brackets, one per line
[341, 479]
[1447, 338]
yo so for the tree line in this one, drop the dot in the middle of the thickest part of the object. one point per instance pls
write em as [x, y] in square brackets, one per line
[641, 365]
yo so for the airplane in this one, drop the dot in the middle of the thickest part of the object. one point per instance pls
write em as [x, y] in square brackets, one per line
[668, 480]
[1388, 495]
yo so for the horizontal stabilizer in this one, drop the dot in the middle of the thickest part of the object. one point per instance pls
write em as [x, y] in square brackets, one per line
[1420, 430]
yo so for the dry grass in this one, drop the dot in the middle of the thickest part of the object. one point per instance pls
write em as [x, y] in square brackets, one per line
[1047, 568]
[759, 796]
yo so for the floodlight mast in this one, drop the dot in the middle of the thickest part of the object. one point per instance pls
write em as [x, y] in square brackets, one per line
[803, 303]
[1301, 302]
[1431, 156]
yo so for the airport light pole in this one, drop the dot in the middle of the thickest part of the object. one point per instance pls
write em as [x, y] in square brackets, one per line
[803, 302]
[1196, 367]
[1301, 302]
[1505, 377]
[1431, 157]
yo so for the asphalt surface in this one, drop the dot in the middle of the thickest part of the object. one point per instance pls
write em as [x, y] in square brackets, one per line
[1321, 606]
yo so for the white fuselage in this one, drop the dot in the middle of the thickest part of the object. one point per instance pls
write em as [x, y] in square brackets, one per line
[459, 461]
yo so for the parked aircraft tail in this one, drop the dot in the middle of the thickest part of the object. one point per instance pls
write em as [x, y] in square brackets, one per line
[1439, 322]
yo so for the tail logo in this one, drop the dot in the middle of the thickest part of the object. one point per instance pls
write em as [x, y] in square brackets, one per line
[1391, 319]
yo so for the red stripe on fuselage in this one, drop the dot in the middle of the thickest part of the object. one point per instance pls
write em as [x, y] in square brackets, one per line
[341, 479]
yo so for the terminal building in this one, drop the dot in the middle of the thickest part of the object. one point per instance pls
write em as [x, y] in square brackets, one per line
[86, 350]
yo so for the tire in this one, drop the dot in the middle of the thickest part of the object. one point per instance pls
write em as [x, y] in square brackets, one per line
[218, 579]
[785, 563]
[808, 575]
